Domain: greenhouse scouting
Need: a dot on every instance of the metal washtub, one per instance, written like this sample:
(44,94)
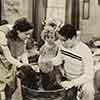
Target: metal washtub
(31,94)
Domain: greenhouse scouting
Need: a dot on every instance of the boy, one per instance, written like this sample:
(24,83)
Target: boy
(78,63)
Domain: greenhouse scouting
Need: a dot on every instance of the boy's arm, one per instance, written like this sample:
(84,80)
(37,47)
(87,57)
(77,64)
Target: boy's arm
(58,60)
(88,69)
(88,72)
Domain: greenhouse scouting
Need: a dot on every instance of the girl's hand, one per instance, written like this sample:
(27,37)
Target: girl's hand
(35,68)
(46,66)
(67,84)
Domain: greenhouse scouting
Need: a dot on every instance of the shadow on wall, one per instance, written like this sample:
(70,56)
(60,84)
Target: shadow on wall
(87,37)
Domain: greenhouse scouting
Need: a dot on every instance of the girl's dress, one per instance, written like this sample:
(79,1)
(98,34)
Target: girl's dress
(48,71)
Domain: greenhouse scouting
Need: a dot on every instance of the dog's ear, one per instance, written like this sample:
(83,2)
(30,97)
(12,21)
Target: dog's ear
(20,74)
(23,71)
(26,68)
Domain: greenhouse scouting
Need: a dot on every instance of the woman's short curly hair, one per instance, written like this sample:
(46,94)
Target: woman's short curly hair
(22,25)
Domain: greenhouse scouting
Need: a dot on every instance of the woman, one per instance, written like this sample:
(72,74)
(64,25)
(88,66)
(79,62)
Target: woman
(6,62)
(17,40)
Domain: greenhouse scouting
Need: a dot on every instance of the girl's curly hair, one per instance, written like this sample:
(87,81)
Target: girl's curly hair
(47,29)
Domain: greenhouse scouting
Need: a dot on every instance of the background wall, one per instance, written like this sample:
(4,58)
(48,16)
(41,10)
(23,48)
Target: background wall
(91,27)
(13,9)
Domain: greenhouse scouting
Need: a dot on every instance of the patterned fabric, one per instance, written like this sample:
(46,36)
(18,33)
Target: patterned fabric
(48,73)
(16,47)
(47,53)
(6,69)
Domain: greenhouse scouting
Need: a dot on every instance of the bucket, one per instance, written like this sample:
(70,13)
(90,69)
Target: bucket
(32,89)
(31,94)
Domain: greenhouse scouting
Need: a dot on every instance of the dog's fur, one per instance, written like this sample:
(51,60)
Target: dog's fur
(29,77)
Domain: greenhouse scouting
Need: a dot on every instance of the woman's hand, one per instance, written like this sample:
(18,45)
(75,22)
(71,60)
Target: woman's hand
(9,57)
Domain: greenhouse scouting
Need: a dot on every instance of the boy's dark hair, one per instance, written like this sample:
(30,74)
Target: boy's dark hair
(68,31)
(3,22)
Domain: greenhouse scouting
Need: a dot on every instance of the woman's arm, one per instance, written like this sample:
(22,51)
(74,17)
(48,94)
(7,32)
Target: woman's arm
(8,56)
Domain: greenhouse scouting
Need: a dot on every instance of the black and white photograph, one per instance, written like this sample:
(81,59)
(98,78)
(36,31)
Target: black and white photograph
(49,49)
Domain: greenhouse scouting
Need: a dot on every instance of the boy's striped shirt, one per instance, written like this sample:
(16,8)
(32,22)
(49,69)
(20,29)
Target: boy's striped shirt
(71,55)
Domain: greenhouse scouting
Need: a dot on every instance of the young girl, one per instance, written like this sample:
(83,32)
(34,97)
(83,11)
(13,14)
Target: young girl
(48,51)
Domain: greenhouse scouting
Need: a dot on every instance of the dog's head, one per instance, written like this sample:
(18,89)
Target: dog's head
(28,76)
(24,71)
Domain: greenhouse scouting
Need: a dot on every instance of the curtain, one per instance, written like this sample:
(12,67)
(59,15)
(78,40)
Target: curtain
(39,15)
(68,11)
(0,8)
(72,13)
(75,13)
